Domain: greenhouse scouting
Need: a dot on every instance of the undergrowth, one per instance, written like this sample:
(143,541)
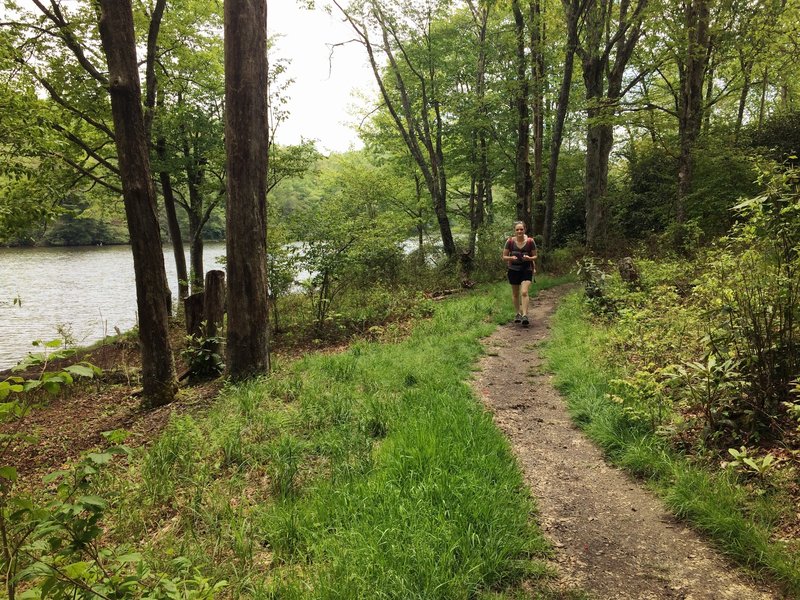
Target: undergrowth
(372,472)
(740,519)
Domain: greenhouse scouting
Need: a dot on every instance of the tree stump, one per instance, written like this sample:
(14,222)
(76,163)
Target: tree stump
(193,306)
(214,305)
(629,273)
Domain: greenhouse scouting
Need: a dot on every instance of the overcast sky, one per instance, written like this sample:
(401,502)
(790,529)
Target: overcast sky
(321,97)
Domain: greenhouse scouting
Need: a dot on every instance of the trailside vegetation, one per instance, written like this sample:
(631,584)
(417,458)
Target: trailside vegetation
(690,377)
(371,471)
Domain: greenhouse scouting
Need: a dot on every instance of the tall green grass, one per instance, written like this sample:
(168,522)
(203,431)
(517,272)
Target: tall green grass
(371,473)
(713,502)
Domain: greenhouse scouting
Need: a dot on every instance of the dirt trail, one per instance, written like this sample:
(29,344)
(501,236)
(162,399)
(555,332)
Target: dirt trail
(612,537)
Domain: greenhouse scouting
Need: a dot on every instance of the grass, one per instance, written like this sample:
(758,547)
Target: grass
(713,502)
(374,472)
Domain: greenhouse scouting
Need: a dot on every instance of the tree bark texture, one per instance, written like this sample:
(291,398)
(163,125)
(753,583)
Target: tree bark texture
(690,106)
(246,144)
(523,183)
(539,81)
(214,306)
(574,10)
(119,45)
(605,54)
(172,221)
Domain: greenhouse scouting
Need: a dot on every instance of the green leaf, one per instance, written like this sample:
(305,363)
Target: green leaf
(54,476)
(9,473)
(77,570)
(53,344)
(116,436)
(92,502)
(80,370)
(133,557)
(53,387)
(102,458)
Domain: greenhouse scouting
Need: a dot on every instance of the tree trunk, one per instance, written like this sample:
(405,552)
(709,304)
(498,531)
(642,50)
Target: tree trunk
(172,221)
(193,309)
(537,51)
(747,69)
(246,143)
(119,46)
(193,165)
(690,106)
(595,175)
(523,184)
(602,42)
(762,103)
(574,12)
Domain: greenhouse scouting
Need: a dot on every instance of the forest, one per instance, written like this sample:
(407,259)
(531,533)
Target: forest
(304,444)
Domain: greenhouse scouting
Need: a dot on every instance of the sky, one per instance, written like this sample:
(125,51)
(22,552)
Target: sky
(321,100)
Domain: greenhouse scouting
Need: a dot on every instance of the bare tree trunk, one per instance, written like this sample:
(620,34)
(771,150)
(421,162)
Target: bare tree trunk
(172,223)
(747,72)
(246,143)
(119,46)
(690,106)
(537,51)
(523,184)
(574,10)
(605,55)
(762,103)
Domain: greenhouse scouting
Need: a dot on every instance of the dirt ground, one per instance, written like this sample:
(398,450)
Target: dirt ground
(612,537)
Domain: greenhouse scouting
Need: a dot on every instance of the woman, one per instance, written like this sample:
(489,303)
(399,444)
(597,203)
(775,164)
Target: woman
(519,254)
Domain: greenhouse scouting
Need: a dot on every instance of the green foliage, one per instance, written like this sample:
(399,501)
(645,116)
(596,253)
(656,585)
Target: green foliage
(55,549)
(594,278)
(349,241)
(744,461)
(753,289)
(713,388)
(779,135)
(201,354)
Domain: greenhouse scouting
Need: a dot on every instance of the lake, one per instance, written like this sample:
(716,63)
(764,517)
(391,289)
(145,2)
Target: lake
(87,291)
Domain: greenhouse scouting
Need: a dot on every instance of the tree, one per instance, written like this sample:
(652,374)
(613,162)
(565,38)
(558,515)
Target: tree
(410,86)
(152,292)
(246,146)
(523,184)
(574,11)
(612,32)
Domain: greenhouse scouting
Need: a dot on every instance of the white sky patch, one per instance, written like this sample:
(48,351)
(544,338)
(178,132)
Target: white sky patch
(322,97)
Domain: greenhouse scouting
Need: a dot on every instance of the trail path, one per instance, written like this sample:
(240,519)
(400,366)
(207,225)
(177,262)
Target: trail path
(613,538)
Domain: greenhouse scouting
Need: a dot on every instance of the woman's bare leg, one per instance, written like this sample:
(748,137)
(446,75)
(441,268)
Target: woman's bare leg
(515,295)
(522,291)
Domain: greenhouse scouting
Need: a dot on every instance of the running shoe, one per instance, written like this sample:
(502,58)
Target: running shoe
(518,318)
(525,322)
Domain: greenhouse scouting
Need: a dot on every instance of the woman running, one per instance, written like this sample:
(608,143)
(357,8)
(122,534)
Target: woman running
(519,255)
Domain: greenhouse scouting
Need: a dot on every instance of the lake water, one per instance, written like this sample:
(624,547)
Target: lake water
(87,290)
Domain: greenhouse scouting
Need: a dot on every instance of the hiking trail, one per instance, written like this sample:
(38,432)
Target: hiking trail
(611,536)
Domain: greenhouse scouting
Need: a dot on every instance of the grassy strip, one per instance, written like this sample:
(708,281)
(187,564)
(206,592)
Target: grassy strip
(711,501)
(370,473)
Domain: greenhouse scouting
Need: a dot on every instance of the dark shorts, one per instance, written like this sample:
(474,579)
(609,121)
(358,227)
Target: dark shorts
(517,277)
